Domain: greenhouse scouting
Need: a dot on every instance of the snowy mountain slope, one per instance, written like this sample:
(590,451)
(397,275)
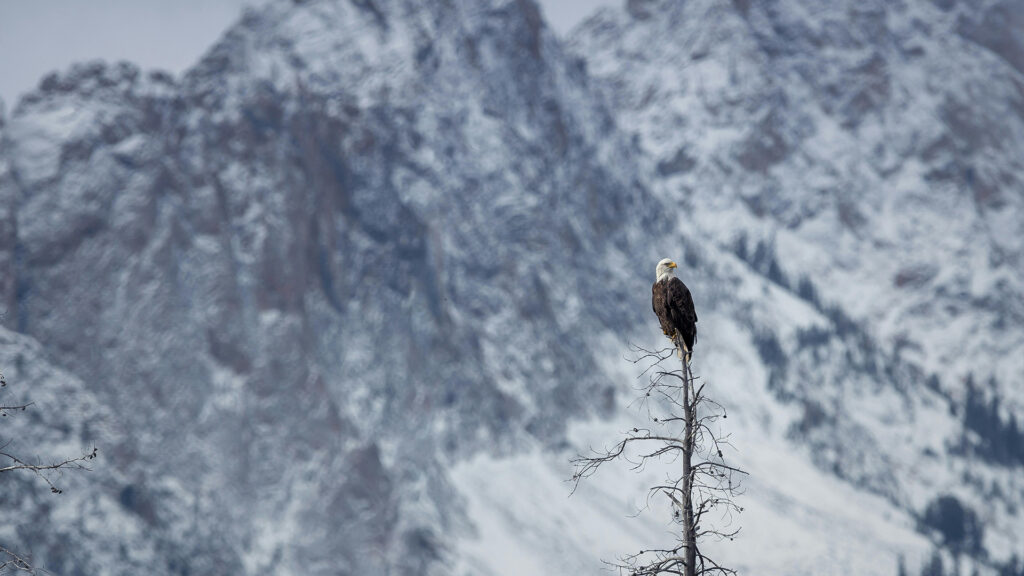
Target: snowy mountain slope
(856,139)
(8,221)
(351,245)
(66,420)
(357,283)
(814,505)
(846,152)
(813,524)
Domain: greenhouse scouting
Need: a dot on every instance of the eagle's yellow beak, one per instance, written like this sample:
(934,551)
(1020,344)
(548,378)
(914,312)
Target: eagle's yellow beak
(671,264)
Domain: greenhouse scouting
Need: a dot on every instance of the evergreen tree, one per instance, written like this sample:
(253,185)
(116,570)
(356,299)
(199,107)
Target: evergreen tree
(934,566)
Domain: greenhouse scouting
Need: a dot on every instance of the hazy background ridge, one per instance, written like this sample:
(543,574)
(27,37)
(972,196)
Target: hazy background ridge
(37,38)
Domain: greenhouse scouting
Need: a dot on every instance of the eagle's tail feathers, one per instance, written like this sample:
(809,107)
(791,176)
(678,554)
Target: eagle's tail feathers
(682,351)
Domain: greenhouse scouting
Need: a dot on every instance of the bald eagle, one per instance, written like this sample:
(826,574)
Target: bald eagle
(674,306)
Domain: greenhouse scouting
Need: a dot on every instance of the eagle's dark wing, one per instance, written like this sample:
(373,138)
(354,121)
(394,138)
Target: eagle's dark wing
(680,310)
(659,301)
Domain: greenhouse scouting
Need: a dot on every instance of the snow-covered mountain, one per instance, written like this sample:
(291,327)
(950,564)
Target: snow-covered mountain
(865,158)
(346,296)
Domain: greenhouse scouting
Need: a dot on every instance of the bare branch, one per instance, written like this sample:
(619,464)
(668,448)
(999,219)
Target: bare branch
(41,469)
(704,484)
(20,407)
(11,561)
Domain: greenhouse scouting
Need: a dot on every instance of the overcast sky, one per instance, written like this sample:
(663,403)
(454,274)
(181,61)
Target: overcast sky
(39,36)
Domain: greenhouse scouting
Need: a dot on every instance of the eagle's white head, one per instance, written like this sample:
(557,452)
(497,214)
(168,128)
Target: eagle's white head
(665,269)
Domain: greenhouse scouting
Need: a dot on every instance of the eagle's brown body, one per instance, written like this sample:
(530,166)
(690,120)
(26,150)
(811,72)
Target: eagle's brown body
(674,306)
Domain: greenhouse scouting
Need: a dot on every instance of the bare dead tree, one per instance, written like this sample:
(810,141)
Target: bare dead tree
(684,429)
(47,471)
(11,562)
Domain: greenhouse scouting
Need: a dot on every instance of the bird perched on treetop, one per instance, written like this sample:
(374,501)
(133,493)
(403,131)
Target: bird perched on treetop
(674,306)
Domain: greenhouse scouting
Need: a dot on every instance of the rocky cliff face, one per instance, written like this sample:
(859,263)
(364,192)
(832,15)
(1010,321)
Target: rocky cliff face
(857,141)
(352,244)
(848,153)
(338,293)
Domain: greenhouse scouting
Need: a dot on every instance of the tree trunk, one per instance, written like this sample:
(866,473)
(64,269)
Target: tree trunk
(689,530)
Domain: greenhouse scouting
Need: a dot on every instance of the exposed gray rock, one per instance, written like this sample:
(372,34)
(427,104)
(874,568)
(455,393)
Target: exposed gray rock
(853,139)
(361,242)
(321,263)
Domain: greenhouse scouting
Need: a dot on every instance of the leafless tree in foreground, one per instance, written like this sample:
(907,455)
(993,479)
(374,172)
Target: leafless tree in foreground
(684,429)
(11,561)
